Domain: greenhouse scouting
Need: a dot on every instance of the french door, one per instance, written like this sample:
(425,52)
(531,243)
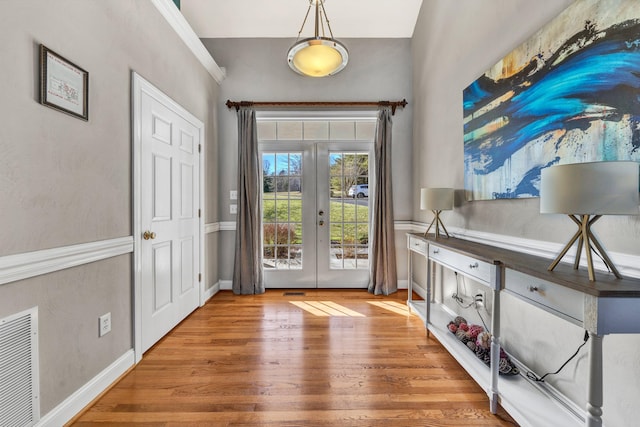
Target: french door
(315,234)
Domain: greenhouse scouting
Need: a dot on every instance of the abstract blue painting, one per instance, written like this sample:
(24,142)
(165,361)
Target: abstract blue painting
(569,94)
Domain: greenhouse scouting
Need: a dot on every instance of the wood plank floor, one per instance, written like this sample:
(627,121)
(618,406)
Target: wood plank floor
(325,358)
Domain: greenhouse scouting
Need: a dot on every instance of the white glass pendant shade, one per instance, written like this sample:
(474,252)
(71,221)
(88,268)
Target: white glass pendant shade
(318,57)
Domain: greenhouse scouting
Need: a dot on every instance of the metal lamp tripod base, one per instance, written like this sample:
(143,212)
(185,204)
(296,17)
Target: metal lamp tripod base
(586,238)
(438,223)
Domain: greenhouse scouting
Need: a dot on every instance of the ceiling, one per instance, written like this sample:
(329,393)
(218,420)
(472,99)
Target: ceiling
(283,18)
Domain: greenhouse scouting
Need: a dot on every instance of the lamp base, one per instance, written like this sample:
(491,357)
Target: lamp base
(587,239)
(438,223)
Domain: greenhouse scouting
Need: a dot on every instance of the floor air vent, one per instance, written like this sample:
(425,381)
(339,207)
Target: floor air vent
(293,294)
(18,369)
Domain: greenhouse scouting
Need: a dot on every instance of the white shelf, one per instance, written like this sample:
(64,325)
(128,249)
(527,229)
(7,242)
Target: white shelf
(530,404)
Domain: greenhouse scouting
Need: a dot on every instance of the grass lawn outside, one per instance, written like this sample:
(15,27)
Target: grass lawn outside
(349,221)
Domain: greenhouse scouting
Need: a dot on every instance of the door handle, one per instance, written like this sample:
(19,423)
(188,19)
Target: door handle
(148,235)
(321,223)
(321,212)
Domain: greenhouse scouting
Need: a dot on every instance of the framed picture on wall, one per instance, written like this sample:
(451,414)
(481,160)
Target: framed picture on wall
(63,85)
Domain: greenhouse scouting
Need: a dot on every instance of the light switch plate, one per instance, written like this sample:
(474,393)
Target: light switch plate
(233,209)
(233,195)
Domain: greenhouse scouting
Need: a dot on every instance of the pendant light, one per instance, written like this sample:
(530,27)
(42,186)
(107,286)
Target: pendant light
(317,56)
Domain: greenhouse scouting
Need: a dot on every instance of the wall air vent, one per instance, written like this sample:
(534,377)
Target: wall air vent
(19,384)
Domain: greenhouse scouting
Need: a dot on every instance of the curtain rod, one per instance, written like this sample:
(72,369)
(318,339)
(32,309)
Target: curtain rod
(392,104)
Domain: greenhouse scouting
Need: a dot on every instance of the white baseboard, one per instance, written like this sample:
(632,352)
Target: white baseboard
(211,291)
(419,290)
(226,285)
(403,284)
(75,403)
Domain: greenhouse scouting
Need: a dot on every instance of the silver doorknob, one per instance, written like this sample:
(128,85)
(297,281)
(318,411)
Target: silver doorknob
(148,235)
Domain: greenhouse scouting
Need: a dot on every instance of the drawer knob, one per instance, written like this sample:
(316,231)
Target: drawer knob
(474,265)
(533,289)
(436,251)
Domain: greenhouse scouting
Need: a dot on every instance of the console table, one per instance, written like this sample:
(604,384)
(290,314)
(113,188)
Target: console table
(606,306)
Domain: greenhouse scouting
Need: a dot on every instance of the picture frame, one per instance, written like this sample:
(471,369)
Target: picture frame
(64,86)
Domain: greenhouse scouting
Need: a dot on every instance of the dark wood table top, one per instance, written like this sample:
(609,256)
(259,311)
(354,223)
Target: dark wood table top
(605,285)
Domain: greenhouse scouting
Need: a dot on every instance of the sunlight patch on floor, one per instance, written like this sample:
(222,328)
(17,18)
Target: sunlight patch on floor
(393,306)
(326,308)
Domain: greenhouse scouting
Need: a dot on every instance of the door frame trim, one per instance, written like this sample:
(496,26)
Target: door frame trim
(140,85)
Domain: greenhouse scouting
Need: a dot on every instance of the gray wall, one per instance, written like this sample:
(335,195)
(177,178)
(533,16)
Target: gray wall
(454,43)
(257,70)
(65,181)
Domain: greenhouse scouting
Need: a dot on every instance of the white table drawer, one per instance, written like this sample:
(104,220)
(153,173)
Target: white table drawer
(471,267)
(556,299)
(417,245)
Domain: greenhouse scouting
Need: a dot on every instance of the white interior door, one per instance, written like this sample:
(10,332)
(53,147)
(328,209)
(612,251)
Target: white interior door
(169,216)
(315,234)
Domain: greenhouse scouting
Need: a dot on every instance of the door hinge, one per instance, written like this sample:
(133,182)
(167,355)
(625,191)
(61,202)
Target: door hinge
(199,148)
(199,277)
(199,213)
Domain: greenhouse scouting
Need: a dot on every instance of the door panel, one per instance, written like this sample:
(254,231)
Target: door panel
(162,294)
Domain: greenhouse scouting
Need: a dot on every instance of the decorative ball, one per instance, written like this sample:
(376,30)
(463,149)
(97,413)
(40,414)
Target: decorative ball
(471,345)
(458,320)
(484,340)
(462,336)
(452,327)
(463,326)
(474,331)
(483,354)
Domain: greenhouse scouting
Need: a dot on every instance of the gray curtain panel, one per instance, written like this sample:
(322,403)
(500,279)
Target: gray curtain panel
(247,266)
(384,275)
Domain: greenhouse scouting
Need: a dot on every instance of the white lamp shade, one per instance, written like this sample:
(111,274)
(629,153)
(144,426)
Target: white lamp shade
(436,199)
(598,188)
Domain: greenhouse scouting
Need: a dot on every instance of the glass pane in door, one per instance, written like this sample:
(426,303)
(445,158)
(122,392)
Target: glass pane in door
(349,210)
(282,210)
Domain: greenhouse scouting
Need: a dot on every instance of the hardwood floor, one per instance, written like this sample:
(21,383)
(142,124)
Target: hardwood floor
(325,358)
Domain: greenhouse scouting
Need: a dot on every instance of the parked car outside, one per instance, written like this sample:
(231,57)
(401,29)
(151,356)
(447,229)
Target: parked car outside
(359,191)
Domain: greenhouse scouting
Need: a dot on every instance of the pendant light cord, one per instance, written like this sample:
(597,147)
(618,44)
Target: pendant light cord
(304,22)
(326,18)
(323,18)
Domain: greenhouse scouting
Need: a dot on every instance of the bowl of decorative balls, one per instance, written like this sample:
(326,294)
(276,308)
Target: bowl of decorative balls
(479,342)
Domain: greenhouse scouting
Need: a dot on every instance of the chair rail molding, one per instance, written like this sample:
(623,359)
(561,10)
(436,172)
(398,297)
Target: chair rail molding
(30,264)
(228,226)
(211,227)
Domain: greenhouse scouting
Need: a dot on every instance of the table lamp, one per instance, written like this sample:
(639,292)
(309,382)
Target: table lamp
(585,192)
(436,200)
